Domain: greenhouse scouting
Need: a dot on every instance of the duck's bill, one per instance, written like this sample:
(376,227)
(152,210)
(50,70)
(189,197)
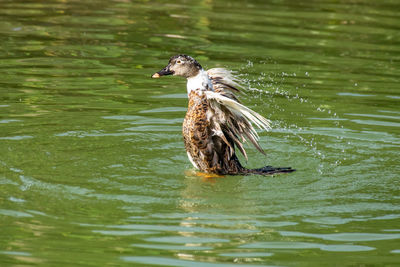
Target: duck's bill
(163,72)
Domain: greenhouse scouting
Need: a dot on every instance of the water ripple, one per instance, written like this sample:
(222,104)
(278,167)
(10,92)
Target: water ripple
(345,236)
(176,262)
(187,246)
(305,245)
(183,229)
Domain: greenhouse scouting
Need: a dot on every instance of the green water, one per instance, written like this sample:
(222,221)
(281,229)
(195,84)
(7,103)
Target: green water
(93,170)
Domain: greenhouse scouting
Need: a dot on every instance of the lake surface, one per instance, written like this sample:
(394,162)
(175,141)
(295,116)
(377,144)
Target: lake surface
(93,171)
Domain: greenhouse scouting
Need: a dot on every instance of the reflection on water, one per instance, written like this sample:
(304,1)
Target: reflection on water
(92,164)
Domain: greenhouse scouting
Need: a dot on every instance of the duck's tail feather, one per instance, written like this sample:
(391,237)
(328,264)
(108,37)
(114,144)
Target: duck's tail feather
(269,170)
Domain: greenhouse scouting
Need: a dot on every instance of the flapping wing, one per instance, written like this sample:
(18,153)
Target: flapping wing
(224,82)
(234,120)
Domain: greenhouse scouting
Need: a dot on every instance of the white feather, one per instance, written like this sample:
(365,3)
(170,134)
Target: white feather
(191,160)
(225,76)
(199,82)
(239,109)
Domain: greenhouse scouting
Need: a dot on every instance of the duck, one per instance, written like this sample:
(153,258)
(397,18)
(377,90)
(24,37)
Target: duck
(216,123)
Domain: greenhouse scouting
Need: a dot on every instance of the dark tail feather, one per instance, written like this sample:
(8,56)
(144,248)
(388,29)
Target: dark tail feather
(269,170)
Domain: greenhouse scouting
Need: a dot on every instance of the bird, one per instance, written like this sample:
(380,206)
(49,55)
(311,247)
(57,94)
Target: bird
(216,123)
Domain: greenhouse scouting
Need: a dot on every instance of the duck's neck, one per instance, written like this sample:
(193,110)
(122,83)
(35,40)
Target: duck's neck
(199,82)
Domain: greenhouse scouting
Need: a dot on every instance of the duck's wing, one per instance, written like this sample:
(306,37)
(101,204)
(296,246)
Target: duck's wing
(232,120)
(224,82)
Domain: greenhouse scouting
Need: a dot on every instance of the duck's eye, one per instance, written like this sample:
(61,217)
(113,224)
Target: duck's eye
(178,62)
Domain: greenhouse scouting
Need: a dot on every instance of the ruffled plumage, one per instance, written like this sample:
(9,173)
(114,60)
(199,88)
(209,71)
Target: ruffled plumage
(230,116)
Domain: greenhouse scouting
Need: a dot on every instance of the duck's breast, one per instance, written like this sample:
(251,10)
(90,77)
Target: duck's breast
(196,130)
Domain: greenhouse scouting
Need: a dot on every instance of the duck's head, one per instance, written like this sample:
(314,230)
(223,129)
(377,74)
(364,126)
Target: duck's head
(180,65)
